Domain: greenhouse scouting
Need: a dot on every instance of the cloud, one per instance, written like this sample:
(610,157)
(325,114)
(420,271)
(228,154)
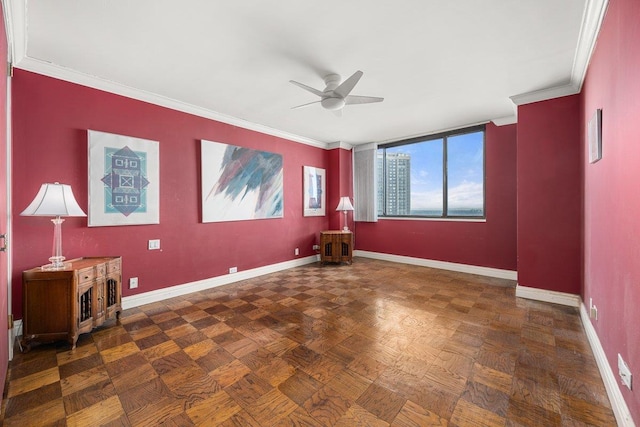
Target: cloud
(466,195)
(431,199)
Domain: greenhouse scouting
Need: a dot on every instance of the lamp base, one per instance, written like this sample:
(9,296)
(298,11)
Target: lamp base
(57,263)
(345,228)
(56,267)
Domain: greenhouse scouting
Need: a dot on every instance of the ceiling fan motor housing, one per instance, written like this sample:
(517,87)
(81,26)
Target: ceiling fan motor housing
(332,103)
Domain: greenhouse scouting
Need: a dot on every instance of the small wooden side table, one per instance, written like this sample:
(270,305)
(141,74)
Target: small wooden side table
(336,246)
(62,304)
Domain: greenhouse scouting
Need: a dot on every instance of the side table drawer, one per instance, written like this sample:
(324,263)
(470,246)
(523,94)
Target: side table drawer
(86,275)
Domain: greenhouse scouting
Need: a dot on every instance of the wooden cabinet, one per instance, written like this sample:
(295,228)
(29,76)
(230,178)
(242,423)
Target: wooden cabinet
(336,246)
(63,304)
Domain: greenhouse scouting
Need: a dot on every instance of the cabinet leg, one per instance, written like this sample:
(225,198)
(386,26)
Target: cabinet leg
(25,346)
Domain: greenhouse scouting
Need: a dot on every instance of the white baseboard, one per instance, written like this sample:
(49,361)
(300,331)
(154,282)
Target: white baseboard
(17,329)
(200,285)
(619,406)
(544,295)
(443,265)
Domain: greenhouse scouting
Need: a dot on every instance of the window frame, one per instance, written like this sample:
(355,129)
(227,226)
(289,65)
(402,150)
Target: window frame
(445,173)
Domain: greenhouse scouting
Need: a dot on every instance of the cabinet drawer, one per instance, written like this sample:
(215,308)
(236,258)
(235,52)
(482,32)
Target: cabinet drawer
(86,275)
(113,266)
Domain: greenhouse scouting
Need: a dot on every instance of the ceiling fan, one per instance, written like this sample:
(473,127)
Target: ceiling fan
(336,95)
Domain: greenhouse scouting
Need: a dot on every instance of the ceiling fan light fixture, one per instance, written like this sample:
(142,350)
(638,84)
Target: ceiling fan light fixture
(332,103)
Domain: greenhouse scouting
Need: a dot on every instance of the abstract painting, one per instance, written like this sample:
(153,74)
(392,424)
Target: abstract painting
(240,183)
(124,184)
(313,193)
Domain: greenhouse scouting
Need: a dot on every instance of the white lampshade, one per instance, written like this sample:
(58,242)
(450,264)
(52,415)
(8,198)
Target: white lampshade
(54,200)
(345,204)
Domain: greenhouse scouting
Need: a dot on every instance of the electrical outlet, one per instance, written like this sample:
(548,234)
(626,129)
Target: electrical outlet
(594,312)
(624,372)
(133,283)
(316,247)
(233,270)
(296,251)
(154,244)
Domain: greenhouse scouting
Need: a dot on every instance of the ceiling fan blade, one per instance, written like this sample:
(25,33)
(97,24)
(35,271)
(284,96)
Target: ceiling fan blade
(347,86)
(355,99)
(307,88)
(304,105)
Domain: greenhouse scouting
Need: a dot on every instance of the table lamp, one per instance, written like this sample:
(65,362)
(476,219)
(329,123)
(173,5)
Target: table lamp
(55,200)
(344,206)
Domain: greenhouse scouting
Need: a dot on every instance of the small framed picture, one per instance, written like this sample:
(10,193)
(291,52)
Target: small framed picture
(594,135)
(313,193)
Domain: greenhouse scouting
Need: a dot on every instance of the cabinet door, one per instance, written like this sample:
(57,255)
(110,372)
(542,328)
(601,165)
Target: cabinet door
(86,298)
(328,247)
(346,247)
(113,297)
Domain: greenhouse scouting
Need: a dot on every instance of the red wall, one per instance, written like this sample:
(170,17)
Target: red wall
(612,190)
(487,244)
(549,195)
(4,339)
(50,122)
(340,183)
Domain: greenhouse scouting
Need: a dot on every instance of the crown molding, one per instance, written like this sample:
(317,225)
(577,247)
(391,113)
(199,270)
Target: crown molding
(594,13)
(592,18)
(508,120)
(15,18)
(545,94)
(72,76)
(16,22)
(339,144)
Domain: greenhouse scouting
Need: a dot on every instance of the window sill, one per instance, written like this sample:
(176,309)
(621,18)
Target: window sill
(416,218)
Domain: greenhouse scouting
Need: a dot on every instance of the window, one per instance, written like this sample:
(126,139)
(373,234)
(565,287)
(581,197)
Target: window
(435,176)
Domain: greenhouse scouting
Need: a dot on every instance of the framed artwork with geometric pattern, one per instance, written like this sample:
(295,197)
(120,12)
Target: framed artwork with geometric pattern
(124,180)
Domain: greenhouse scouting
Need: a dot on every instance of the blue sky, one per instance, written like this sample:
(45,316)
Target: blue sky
(465,164)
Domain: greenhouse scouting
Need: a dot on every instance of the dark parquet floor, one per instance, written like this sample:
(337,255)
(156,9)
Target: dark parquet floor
(371,344)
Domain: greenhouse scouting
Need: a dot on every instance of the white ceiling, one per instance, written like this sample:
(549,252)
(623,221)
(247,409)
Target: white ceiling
(438,64)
